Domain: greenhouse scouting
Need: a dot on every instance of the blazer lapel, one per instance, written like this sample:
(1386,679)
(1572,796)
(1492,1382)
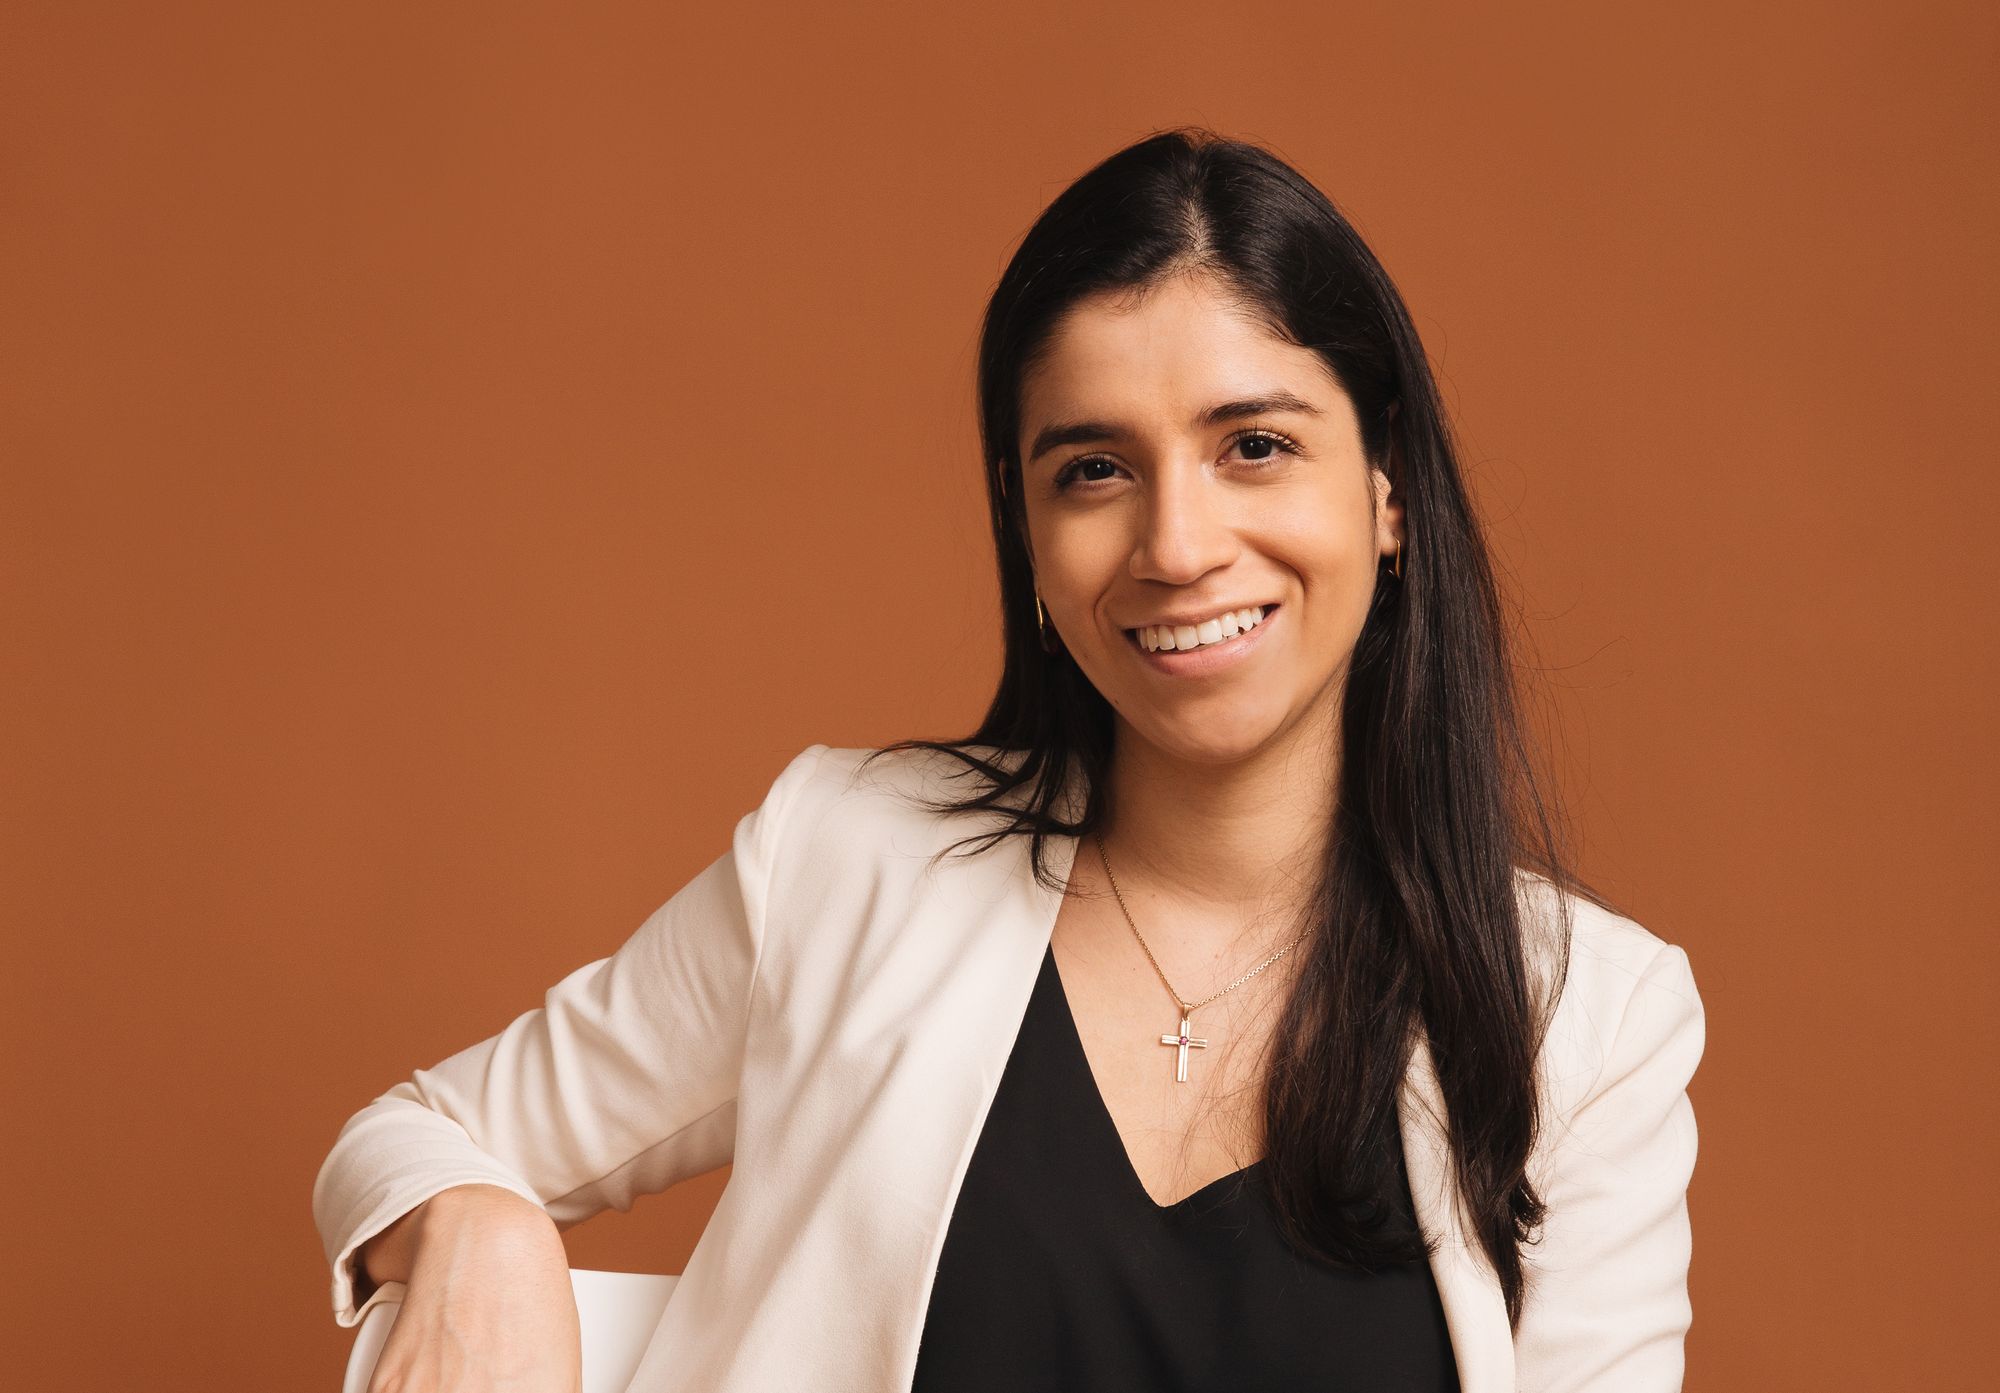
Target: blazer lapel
(1475,1311)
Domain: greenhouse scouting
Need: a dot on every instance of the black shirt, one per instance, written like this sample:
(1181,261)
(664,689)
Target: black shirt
(1059,1271)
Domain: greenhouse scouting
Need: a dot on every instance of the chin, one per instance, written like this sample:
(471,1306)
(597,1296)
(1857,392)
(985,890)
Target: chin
(1216,739)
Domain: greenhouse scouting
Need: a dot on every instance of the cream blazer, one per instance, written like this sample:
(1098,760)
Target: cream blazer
(820,1010)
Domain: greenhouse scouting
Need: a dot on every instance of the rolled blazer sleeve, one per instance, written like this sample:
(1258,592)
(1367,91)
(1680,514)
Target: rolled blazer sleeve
(1607,1300)
(621,1083)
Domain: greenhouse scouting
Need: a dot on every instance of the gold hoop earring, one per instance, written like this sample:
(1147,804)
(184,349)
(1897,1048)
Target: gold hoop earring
(1398,572)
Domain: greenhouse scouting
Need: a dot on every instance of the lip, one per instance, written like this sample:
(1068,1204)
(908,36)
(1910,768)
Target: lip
(1210,658)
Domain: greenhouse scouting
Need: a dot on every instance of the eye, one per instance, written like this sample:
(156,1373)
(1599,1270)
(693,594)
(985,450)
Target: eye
(1068,472)
(1282,446)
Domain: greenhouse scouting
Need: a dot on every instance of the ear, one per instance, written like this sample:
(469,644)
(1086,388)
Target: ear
(1389,521)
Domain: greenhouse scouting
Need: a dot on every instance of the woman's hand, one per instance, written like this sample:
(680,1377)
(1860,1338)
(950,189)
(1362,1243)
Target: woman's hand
(489,1307)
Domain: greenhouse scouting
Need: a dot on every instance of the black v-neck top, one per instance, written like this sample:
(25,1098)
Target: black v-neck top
(1059,1271)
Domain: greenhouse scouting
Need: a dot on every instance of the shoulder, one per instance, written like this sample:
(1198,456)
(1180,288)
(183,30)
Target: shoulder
(832,800)
(1627,996)
(859,777)
(853,846)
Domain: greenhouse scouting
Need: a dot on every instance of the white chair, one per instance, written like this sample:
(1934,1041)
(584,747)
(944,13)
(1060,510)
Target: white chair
(616,1311)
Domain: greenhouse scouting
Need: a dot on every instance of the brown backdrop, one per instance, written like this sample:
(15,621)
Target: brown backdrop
(451,461)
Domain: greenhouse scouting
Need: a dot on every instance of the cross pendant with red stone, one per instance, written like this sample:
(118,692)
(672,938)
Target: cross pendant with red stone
(1183,1040)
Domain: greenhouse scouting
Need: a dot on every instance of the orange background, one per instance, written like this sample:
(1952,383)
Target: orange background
(451,460)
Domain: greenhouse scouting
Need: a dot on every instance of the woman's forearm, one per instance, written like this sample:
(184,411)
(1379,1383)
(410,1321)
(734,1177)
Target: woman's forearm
(390,1256)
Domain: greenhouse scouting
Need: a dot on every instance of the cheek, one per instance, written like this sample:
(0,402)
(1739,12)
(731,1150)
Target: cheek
(1331,549)
(1073,560)
(1334,563)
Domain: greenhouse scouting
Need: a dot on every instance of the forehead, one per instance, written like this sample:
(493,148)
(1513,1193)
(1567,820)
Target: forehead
(1164,355)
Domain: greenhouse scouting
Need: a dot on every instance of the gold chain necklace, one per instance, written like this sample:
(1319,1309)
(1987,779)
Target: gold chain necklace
(1181,1039)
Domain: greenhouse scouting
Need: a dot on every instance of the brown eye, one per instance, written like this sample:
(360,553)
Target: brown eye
(1280,445)
(1068,472)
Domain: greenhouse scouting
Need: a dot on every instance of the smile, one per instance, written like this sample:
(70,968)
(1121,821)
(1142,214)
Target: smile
(1207,658)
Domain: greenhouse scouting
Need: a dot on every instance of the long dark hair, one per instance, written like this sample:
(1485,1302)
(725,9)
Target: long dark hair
(1417,912)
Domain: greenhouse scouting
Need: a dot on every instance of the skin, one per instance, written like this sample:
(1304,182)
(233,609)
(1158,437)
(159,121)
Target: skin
(489,1306)
(1222,785)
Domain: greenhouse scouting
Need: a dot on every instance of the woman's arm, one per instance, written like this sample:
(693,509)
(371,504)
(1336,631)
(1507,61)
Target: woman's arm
(391,1254)
(1606,1306)
(621,1083)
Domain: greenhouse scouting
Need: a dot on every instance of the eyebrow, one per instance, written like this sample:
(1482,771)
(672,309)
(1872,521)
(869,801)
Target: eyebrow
(1088,432)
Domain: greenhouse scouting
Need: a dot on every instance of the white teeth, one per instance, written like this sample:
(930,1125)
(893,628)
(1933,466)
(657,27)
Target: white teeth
(1160,638)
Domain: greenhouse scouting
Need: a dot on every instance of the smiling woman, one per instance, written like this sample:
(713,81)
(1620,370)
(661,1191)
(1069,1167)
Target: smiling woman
(1292,1081)
(1248,602)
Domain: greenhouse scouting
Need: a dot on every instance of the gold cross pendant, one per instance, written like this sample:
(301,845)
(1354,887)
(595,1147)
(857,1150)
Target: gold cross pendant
(1183,1040)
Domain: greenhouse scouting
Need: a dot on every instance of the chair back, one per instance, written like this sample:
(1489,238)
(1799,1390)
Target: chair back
(617,1313)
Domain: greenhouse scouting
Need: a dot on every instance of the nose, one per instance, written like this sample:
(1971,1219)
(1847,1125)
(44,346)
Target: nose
(1184,529)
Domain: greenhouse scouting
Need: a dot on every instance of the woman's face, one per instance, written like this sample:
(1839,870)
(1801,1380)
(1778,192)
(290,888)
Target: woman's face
(1180,461)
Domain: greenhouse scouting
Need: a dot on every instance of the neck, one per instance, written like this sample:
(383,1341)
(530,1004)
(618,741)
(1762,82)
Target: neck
(1235,844)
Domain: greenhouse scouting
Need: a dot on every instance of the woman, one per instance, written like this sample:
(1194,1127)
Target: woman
(1219,1015)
